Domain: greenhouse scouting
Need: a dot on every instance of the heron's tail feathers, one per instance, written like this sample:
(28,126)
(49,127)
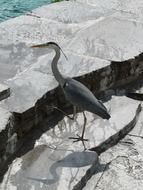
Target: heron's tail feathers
(100,111)
(103,111)
(106,115)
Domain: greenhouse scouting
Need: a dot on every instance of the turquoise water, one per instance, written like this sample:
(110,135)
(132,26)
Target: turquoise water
(13,8)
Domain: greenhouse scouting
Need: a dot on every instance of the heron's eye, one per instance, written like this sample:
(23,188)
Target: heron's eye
(65,85)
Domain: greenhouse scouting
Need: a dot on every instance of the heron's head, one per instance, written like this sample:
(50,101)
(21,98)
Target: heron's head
(50,45)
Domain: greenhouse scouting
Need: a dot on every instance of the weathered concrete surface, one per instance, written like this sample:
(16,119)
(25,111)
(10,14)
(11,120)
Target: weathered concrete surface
(123,164)
(93,35)
(56,162)
(100,37)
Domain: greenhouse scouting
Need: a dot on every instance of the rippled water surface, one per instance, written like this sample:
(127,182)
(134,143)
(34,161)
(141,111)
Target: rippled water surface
(13,8)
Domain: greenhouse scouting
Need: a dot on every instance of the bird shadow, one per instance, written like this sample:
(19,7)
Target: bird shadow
(73,160)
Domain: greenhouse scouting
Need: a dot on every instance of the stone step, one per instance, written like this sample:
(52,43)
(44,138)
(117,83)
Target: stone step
(58,163)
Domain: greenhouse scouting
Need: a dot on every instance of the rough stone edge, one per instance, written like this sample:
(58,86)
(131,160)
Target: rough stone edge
(4,94)
(112,76)
(115,75)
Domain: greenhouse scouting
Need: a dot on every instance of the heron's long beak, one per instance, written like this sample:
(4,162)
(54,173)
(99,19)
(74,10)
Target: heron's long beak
(40,46)
(45,46)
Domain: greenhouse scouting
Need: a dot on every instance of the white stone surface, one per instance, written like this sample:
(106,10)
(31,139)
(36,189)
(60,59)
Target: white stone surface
(109,39)
(72,12)
(126,168)
(58,163)
(3,87)
(90,33)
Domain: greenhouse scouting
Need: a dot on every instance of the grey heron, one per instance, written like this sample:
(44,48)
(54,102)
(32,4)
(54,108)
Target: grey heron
(75,92)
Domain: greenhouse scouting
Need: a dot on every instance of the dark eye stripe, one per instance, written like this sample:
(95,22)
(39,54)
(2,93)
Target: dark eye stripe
(52,43)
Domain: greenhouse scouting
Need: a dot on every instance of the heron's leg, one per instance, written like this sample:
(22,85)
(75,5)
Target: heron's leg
(85,122)
(74,113)
(81,138)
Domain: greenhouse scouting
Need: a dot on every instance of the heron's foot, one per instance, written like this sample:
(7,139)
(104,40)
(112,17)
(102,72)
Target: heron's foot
(79,138)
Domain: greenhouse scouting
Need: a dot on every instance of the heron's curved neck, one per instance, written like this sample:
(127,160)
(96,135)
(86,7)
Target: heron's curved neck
(55,70)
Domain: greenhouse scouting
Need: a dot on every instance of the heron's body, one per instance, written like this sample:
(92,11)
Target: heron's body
(78,94)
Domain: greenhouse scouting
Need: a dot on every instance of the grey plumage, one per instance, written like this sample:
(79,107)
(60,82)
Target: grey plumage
(81,96)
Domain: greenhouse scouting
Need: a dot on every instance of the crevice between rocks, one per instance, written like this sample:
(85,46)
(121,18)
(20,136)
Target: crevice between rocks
(103,83)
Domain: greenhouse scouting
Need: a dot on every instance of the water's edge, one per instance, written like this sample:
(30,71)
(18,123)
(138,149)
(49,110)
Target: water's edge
(13,8)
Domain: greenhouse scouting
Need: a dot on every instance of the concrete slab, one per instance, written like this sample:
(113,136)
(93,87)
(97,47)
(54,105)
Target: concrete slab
(56,162)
